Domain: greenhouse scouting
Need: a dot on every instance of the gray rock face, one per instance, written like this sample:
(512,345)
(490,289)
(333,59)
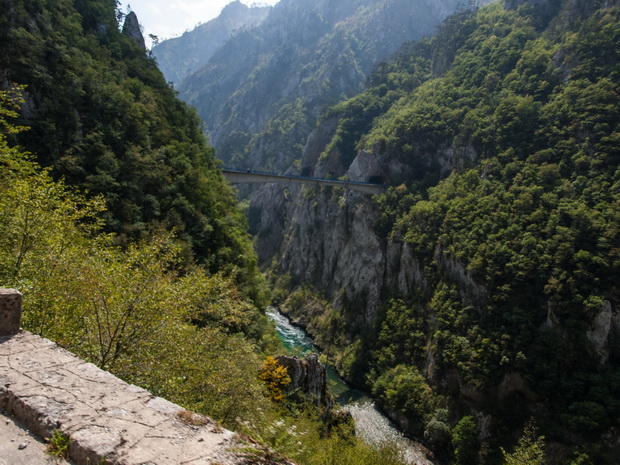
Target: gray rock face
(266,220)
(307,375)
(348,259)
(600,331)
(331,240)
(131,28)
(183,55)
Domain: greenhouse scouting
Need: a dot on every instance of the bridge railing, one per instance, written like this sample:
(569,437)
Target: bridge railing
(255,176)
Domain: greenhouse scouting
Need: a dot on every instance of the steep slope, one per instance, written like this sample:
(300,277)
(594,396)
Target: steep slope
(183,55)
(482,291)
(262,92)
(103,117)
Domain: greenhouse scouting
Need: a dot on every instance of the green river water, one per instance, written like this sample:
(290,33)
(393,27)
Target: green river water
(370,424)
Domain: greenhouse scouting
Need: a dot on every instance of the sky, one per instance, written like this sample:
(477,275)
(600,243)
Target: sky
(171,18)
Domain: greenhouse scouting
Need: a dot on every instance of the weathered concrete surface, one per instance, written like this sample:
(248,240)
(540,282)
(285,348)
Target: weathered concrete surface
(19,447)
(108,420)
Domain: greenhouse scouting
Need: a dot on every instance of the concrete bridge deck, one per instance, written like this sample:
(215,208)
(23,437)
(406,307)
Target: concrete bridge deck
(236,176)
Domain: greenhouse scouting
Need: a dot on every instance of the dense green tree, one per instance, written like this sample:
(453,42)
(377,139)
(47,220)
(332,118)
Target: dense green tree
(504,128)
(404,391)
(104,119)
(530,451)
(465,441)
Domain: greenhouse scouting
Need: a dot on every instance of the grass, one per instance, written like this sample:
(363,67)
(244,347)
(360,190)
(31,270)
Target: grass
(58,444)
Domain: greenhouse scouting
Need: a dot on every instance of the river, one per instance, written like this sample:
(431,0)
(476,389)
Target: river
(370,424)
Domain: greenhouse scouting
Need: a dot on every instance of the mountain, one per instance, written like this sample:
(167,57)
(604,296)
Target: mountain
(261,93)
(480,293)
(181,56)
(103,118)
(86,100)
(477,299)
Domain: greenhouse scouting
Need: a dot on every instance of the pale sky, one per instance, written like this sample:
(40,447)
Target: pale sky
(170,18)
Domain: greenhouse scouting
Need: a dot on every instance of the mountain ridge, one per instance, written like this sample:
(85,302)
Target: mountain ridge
(183,55)
(251,86)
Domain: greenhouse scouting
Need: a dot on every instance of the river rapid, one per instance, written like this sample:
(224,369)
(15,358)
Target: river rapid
(370,424)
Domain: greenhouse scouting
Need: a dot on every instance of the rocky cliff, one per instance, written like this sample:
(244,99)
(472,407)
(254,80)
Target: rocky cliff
(352,263)
(131,28)
(307,376)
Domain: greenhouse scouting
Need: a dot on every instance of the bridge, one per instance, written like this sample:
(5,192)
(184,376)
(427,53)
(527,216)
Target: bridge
(236,176)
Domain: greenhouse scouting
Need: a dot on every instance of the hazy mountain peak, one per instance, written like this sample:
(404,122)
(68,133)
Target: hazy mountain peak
(305,55)
(183,55)
(233,8)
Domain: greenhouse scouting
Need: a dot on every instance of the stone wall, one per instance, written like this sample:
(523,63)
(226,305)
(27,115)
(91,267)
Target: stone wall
(106,419)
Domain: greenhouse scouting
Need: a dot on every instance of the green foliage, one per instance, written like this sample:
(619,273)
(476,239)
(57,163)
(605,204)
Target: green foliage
(438,434)
(337,451)
(302,438)
(465,441)
(10,100)
(127,310)
(530,451)
(506,126)
(205,370)
(400,339)
(403,390)
(58,444)
(104,119)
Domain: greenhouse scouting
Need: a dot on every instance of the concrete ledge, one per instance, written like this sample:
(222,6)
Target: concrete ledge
(109,421)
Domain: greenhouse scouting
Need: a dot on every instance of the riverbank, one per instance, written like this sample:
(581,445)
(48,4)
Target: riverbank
(371,424)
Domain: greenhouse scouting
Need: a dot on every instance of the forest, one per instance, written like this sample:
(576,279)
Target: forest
(128,246)
(505,126)
(131,250)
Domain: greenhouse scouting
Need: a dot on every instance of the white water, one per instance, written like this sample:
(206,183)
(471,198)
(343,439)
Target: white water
(370,424)
(374,428)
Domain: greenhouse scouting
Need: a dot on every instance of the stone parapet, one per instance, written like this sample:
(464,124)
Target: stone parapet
(106,419)
(10,312)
